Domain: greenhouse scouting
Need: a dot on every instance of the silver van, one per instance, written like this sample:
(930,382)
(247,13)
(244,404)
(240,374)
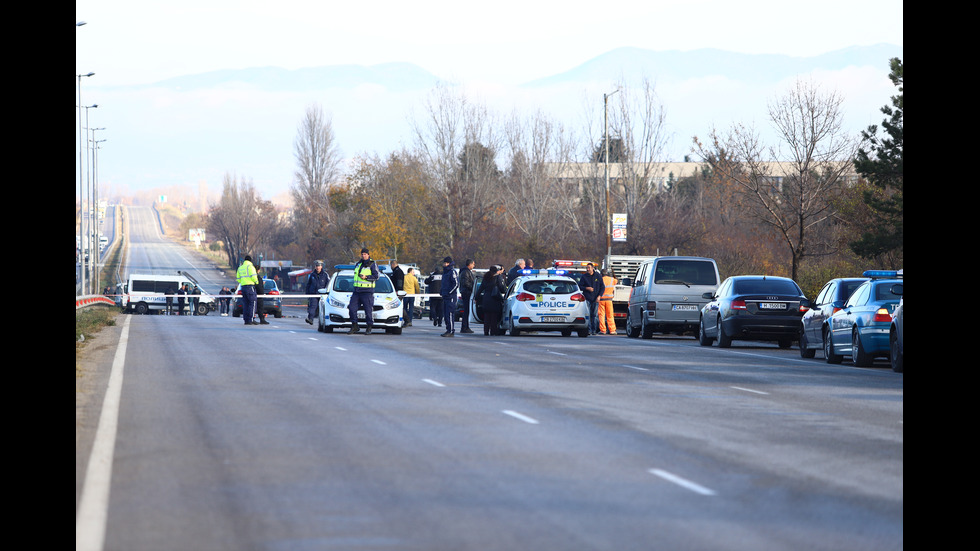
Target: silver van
(666,295)
(147,293)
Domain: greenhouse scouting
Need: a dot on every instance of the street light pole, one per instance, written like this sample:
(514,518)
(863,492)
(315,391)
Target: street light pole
(605,107)
(81,182)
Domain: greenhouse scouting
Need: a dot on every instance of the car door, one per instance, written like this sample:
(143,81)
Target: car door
(843,321)
(709,314)
(813,323)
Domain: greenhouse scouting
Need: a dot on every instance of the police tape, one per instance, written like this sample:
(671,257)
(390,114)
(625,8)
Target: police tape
(229,297)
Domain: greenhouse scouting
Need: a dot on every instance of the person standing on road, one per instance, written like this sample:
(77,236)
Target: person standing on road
(433,286)
(170,300)
(449,291)
(397,276)
(224,300)
(607,322)
(259,293)
(319,279)
(591,285)
(515,271)
(365,275)
(411,287)
(181,293)
(466,282)
(491,296)
(248,278)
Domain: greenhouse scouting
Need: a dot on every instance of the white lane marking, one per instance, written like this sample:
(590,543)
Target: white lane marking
(341,348)
(433,383)
(557,353)
(524,418)
(684,483)
(311,338)
(750,390)
(379,362)
(636,368)
(93,506)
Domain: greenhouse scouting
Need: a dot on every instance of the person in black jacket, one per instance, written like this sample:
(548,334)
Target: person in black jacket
(592,287)
(466,282)
(433,286)
(319,279)
(491,295)
(449,291)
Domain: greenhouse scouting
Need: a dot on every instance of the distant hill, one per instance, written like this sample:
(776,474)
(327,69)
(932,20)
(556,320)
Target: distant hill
(678,65)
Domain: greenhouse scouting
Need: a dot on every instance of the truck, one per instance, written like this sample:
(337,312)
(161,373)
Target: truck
(623,268)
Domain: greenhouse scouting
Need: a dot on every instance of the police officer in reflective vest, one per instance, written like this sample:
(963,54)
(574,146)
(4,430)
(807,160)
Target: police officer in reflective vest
(248,278)
(365,274)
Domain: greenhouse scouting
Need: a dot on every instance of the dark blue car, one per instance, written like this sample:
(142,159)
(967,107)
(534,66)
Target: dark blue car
(760,308)
(816,320)
(861,328)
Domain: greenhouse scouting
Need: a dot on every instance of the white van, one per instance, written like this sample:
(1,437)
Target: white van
(146,293)
(666,295)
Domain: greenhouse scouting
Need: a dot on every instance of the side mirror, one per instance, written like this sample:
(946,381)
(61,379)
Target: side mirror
(806,303)
(708,296)
(323,291)
(401,293)
(897,289)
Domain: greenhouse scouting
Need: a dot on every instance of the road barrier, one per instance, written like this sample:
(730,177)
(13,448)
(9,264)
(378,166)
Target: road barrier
(93,300)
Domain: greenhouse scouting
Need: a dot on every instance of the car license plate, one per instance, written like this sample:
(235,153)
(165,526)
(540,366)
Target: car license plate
(772,305)
(685,307)
(559,319)
(360,315)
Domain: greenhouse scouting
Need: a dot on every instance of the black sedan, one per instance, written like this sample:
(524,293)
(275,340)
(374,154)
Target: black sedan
(271,304)
(759,308)
(816,321)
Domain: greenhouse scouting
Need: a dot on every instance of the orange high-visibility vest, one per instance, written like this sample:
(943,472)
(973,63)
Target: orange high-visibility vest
(608,293)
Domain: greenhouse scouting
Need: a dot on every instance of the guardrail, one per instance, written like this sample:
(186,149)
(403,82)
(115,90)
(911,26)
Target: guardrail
(93,300)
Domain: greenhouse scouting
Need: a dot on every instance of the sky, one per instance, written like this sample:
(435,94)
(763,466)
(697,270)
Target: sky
(487,45)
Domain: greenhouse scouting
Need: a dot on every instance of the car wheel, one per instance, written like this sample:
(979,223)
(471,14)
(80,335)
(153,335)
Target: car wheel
(646,333)
(631,332)
(277,314)
(897,357)
(566,332)
(703,338)
(142,309)
(393,330)
(858,354)
(583,332)
(805,350)
(828,349)
(514,332)
(202,309)
(724,341)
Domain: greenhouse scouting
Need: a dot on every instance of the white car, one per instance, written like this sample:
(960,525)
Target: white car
(333,309)
(545,300)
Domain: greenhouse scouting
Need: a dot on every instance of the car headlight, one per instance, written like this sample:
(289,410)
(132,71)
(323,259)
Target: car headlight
(336,303)
(393,304)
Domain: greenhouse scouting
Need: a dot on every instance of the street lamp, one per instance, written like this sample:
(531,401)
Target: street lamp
(81,178)
(605,107)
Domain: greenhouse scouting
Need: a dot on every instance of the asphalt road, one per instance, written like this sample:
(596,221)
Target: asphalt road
(282,438)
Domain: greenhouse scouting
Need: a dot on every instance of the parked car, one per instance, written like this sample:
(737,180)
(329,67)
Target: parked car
(333,308)
(547,300)
(816,320)
(862,327)
(270,304)
(667,295)
(761,308)
(896,336)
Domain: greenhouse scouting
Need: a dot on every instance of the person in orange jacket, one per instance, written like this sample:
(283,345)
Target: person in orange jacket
(606,319)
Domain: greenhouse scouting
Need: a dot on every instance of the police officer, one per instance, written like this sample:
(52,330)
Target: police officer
(319,279)
(248,278)
(365,275)
(449,290)
(466,283)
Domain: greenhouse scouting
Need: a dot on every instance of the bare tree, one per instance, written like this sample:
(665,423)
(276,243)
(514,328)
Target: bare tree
(241,219)
(792,185)
(317,167)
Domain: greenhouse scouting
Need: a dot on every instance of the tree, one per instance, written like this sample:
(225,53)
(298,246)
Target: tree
(317,167)
(241,219)
(882,165)
(791,187)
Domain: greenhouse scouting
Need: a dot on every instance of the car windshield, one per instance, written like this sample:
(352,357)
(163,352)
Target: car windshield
(766,286)
(685,272)
(883,291)
(270,285)
(345,283)
(848,287)
(551,287)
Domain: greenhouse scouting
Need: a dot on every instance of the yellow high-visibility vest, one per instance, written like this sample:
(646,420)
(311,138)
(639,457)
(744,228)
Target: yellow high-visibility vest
(246,274)
(360,273)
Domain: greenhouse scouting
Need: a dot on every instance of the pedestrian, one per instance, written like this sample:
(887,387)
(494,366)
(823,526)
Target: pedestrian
(515,271)
(528,263)
(491,296)
(411,287)
(319,279)
(449,291)
(170,299)
(248,279)
(397,276)
(365,275)
(181,293)
(466,282)
(224,300)
(607,322)
(194,298)
(259,294)
(433,286)
(591,285)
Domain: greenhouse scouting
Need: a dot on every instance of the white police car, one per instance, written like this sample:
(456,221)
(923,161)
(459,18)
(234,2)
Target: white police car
(333,309)
(545,300)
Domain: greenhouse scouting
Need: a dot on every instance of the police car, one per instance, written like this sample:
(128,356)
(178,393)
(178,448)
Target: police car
(545,300)
(333,309)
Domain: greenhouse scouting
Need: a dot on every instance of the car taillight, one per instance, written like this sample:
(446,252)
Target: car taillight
(577,297)
(882,315)
(272,292)
(803,308)
(524,296)
(836,309)
(738,305)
